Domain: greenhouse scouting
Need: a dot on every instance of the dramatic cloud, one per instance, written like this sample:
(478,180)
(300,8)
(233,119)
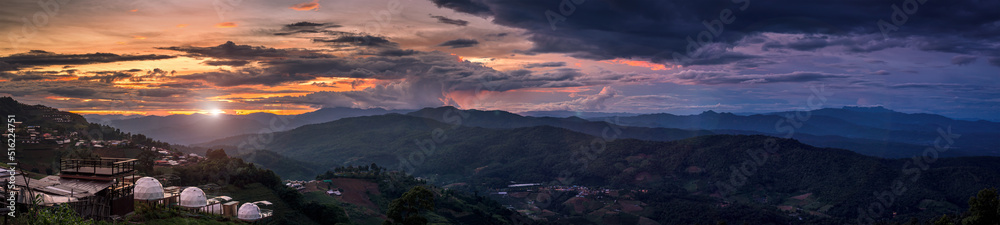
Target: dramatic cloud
(851,43)
(108,76)
(722,77)
(880,72)
(962,60)
(231,50)
(514,55)
(37,75)
(73,92)
(994,61)
(395,52)
(44,58)
(188,85)
(246,76)
(305,28)
(304,24)
(657,29)
(545,64)
(446,20)
(594,102)
(349,40)
(162,92)
(6,66)
(460,43)
(227,62)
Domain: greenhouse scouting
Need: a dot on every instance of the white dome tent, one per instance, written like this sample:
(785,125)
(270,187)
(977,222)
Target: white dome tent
(248,212)
(148,188)
(193,197)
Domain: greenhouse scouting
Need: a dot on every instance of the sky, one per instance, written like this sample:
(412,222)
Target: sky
(643,56)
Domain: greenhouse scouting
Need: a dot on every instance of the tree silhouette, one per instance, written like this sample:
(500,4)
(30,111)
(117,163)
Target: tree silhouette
(983,208)
(407,209)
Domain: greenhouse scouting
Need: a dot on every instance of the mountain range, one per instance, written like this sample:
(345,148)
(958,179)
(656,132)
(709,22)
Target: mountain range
(197,128)
(695,170)
(665,168)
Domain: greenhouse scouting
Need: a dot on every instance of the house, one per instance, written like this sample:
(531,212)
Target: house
(92,187)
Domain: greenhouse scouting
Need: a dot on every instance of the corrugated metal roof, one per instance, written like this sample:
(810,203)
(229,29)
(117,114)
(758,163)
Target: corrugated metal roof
(55,185)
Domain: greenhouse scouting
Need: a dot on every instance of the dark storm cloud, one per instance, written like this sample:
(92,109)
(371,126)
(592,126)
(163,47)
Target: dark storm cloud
(446,20)
(962,60)
(306,24)
(361,40)
(880,72)
(722,77)
(109,76)
(246,76)
(304,27)
(994,61)
(545,64)
(231,50)
(413,67)
(35,75)
(74,92)
(656,29)
(474,7)
(395,52)
(298,31)
(162,92)
(6,66)
(460,43)
(44,58)
(180,85)
(227,62)
(852,43)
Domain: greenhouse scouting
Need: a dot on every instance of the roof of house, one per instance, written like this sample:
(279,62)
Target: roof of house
(55,185)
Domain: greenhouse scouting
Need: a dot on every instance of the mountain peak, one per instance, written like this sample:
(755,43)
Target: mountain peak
(872,109)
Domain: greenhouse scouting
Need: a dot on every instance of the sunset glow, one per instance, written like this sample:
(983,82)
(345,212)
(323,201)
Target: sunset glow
(290,57)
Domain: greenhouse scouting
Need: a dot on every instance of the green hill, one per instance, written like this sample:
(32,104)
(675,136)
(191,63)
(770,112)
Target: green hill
(286,167)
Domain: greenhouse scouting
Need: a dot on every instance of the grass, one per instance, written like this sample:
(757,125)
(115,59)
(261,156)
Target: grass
(321,197)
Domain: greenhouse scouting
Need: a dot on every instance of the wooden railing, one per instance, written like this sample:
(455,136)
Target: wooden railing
(102,166)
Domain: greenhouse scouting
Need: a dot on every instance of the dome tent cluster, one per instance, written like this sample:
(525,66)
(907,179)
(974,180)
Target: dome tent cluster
(149,189)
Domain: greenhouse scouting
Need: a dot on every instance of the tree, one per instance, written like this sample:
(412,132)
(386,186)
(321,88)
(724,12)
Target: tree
(983,208)
(407,209)
(145,161)
(216,154)
(377,171)
(944,220)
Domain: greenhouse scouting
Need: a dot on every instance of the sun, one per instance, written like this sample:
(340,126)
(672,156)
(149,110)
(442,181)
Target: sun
(216,112)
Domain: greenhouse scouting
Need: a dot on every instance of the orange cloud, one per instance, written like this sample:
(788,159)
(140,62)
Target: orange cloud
(134,10)
(181,25)
(109,112)
(139,37)
(314,5)
(652,66)
(226,25)
(274,111)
